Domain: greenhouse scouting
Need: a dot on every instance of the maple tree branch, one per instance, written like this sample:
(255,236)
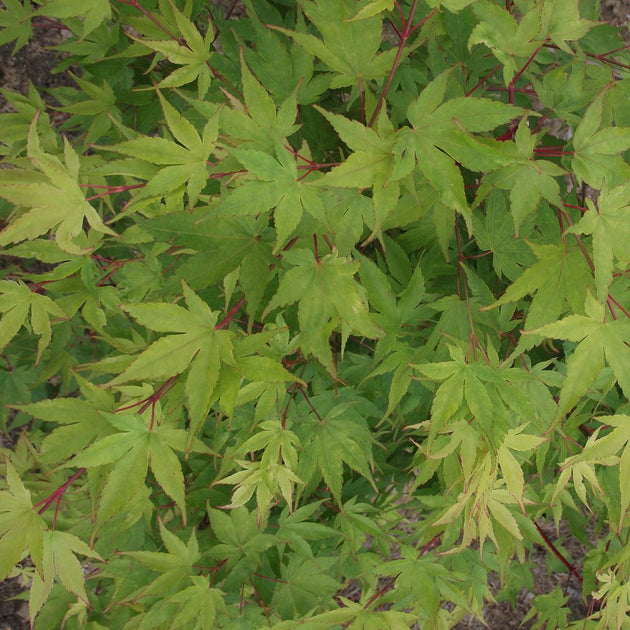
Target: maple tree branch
(556,552)
(228,318)
(405,34)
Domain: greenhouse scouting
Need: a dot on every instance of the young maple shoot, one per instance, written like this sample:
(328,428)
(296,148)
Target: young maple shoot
(316,313)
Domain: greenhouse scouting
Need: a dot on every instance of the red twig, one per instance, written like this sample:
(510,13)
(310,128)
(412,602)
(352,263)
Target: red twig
(405,34)
(228,318)
(572,570)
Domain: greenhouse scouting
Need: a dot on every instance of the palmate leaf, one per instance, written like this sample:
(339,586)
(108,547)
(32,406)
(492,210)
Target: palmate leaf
(15,23)
(443,130)
(194,607)
(349,48)
(338,437)
(511,42)
(21,528)
(327,295)
(54,196)
(280,67)
(17,301)
(558,282)
(184,162)
(276,188)
(192,53)
(132,450)
(528,180)
(602,450)
(175,564)
(94,12)
(374,163)
(608,223)
(263,125)
(195,347)
(561,23)
(494,232)
(81,422)
(241,541)
(305,584)
(596,156)
(597,340)
(59,561)
(427,581)
(218,248)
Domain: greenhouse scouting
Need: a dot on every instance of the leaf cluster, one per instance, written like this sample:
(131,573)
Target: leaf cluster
(290,285)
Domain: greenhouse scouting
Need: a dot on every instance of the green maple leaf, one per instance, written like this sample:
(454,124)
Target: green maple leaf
(192,607)
(596,156)
(443,134)
(276,188)
(511,42)
(603,449)
(328,295)
(558,281)
(241,541)
(338,436)
(528,180)
(195,346)
(499,398)
(427,581)
(15,23)
(81,422)
(597,340)
(59,561)
(218,248)
(175,564)
(94,12)
(192,53)
(349,48)
(17,301)
(184,162)
(266,477)
(561,23)
(494,231)
(373,163)
(259,123)
(608,223)
(306,583)
(372,154)
(54,196)
(280,67)
(133,449)
(21,528)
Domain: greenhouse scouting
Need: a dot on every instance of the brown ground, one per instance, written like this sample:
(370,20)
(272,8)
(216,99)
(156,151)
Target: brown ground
(34,63)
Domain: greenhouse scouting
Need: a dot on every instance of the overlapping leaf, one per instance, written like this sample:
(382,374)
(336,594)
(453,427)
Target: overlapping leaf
(276,187)
(184,162)
(328,295)
(17,301)
(53,194)
(349,48)
(192,53)
(596,156)
(608,223)
(21,528)
(59,561)
(597,340)
(440,130)
(528,180)
(558,281)
(258,122)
